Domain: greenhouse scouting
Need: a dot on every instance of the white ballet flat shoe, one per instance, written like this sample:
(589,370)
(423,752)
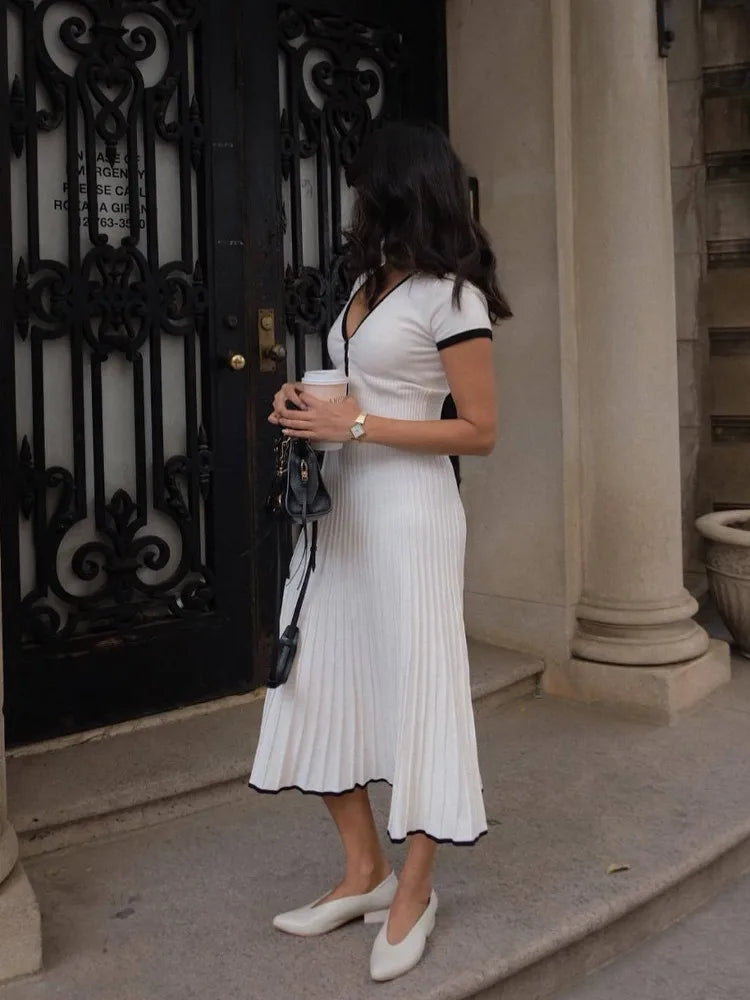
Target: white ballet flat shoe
(311,919)
(390,960)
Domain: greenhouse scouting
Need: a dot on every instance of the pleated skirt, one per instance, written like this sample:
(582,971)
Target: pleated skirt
(380,689)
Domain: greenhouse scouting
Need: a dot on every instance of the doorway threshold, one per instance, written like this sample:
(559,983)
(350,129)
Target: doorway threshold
(133,725)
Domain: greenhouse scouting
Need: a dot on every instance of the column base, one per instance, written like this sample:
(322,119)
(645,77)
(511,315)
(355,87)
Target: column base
(653,693)
(634,633)
(20,927)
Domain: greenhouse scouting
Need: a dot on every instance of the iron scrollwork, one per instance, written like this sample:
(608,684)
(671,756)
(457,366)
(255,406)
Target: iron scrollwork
(112,299)
(342,80)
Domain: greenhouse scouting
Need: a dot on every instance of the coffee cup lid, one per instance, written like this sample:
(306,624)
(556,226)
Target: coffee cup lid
(325,376)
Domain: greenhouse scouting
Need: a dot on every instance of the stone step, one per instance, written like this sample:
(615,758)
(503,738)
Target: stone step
(705,953)
(94,784)
(528,911)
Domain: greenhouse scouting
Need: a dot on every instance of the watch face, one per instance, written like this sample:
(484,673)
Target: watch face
(357,430)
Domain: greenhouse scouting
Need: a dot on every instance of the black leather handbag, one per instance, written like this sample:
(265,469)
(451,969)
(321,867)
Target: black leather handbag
(297,495)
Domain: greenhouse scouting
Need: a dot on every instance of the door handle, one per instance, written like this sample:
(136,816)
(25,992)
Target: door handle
(269,352)
(277,352)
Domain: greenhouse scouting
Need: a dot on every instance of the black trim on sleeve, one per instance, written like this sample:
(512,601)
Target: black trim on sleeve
(456,338)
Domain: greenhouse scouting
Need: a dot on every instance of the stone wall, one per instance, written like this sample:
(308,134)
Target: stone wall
(684,70)
(724,479)
(521,503)
(709,100)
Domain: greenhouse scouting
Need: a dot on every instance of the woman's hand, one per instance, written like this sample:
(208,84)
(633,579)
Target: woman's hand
(288,393)
(321,420)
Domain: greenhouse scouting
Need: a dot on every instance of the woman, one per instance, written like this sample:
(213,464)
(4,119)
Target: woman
(380,688)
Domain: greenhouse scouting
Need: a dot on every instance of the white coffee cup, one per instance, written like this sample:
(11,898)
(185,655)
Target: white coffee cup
(330,384)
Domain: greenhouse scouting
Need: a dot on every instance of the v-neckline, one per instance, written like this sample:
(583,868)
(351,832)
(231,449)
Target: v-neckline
(382,298)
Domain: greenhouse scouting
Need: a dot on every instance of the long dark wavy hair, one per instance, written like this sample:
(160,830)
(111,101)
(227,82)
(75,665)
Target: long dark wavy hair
(412,209)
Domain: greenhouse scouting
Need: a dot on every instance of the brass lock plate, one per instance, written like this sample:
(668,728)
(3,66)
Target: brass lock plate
(266,339)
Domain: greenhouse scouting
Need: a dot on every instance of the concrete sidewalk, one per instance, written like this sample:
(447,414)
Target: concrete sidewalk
(182,910)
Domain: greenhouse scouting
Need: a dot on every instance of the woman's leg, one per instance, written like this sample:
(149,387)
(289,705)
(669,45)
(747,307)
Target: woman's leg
(414,887)
(366,865)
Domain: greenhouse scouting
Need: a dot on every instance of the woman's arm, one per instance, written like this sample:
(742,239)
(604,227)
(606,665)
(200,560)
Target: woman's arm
(468,368)
(469,371)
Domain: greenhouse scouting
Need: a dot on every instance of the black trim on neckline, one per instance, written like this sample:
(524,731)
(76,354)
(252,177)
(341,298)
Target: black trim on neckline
(456,338)
(371,311)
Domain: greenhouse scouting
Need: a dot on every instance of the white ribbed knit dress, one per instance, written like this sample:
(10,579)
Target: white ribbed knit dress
(379,689)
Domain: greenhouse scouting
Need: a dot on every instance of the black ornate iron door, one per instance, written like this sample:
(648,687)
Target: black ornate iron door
(132,568)
(171,205)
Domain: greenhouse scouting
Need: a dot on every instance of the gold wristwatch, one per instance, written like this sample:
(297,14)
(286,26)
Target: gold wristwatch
(357,430)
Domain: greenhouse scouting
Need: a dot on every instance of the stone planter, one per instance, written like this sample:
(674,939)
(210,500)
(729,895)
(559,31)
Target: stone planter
(728,564)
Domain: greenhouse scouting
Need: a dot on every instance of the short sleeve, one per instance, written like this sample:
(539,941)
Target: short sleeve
(453,323)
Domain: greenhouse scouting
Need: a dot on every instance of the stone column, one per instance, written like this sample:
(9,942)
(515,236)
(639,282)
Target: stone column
(20,925)
(635,645)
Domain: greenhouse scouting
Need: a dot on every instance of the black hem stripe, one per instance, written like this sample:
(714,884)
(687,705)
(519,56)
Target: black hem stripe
(439,840)
(456,338)
(315,791)
(359,784)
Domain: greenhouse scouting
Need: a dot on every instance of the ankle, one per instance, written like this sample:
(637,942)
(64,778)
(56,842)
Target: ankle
(369,872)
(419,886)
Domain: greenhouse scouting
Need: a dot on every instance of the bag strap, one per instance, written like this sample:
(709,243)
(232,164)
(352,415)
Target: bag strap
(308,571)
(281,572)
